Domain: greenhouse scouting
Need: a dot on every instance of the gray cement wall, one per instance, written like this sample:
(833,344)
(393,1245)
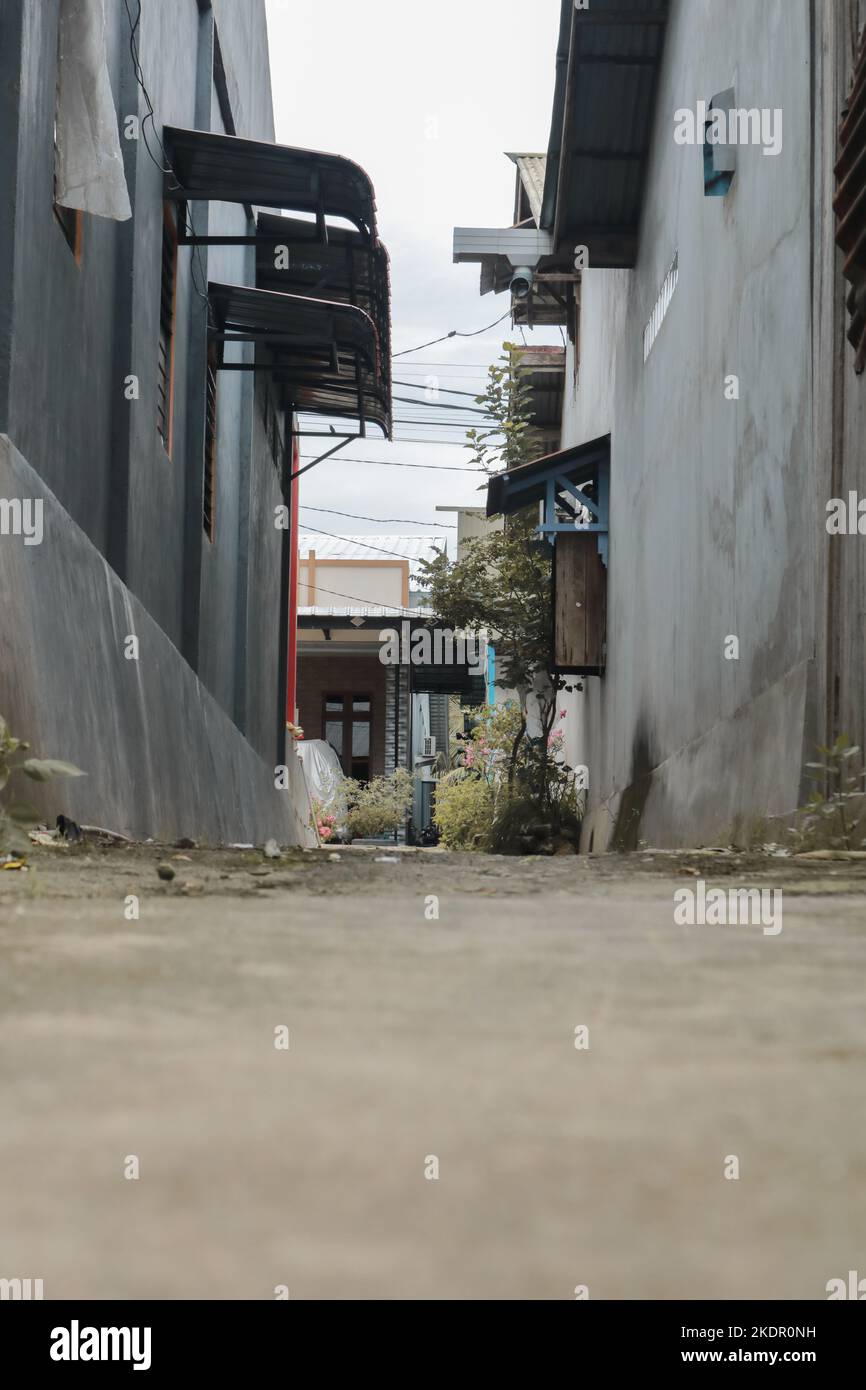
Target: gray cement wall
(162,758)
(71,333)
(712,528)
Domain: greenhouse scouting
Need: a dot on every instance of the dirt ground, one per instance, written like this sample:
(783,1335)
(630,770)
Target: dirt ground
(416,1037)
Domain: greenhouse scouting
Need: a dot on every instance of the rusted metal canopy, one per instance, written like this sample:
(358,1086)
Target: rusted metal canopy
(328,355)
(347,269)
(208,166)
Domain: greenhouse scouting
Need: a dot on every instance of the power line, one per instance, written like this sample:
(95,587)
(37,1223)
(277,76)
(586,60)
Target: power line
(446,405)
(455,333)
(385,520)
(149,115)
(364,602)
(395,463)
(440,390)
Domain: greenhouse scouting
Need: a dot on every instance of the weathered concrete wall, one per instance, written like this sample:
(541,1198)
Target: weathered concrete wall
(162,757)
(71,333)
(712,532)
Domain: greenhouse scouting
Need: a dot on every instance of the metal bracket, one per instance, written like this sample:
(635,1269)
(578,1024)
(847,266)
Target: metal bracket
(550,526)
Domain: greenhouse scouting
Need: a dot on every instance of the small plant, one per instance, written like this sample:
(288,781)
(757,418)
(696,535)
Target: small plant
(324,820)
(464,810)
(17,817)
(834,817)
(378,807)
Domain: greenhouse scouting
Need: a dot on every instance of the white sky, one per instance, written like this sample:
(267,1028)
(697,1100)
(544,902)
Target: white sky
(426,98)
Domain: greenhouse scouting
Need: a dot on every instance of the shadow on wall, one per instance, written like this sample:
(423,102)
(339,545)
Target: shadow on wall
(626,831)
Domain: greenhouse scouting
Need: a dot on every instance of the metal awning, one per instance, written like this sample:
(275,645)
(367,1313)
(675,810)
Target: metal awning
(208,166)
(347,269)
(556,480)
(607,69)
(327,355)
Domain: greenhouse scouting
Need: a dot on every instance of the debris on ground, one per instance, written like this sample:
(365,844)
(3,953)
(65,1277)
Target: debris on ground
(272,850)
(192,887)
(50,838)
(166,872)
(184,843)
(386,859)
(10,862)
(68,829)
(335,858)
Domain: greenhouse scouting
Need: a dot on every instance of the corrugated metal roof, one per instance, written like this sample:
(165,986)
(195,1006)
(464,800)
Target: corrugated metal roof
(607,73)
(411,548)
(368,611)
(531,169)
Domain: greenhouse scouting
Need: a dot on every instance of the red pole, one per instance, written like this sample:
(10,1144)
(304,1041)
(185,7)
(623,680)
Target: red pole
(292,682)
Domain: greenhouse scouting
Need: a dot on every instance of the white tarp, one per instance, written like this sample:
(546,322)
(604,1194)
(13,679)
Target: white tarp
(324,778)
(89,171)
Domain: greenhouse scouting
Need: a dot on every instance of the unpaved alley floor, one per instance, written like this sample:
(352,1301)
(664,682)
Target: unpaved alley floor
(415,1038)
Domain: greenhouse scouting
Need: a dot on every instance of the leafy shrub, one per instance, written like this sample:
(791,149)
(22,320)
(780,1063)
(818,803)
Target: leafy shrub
(835,815)
(18,816)
(464,810)
(378,807)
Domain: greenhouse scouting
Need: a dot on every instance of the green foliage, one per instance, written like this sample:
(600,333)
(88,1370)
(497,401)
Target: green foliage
(507,400)
(834,817)
(18,816)
(378,807)
(463,813)
(508,793)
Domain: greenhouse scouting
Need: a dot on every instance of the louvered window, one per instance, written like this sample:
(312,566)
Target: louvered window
(210,443)
(168,295)
(850,204)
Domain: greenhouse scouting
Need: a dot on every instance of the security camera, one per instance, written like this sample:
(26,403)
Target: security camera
(521,281)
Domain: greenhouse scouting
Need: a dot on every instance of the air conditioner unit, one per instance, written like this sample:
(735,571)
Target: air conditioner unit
(429,748)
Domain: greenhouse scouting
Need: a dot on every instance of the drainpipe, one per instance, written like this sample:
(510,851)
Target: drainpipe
(292,671)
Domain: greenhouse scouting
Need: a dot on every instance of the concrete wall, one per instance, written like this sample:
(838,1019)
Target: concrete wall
(712,533)
(162,758)
(71,333)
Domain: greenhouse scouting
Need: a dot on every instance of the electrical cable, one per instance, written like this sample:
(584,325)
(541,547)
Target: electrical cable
(385,520)
(455,333)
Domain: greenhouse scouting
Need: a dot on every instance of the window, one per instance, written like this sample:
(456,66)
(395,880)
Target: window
(210,442)
(849,205)
(719,159)
(347,726)
(167,306)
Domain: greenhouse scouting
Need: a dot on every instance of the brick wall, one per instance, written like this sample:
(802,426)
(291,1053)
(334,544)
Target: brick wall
(346,674)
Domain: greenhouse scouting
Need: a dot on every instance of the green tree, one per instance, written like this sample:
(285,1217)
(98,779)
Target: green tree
(504,582)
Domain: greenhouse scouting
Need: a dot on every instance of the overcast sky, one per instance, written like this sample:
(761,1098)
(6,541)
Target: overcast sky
(426,99)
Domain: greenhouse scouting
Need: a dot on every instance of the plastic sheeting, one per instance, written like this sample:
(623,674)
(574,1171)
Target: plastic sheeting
(324,778)
(90,174)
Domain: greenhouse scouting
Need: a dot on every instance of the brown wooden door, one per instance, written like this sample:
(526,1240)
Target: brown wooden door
(580,605)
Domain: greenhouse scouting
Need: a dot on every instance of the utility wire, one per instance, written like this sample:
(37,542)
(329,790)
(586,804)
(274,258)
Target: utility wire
(386,520)
(445,405)
(439,390)
(364,602)
(455,333)
(165,169)
(394,463)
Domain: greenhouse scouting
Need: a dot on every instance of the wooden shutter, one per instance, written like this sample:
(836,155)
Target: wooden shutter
(579,605)
(210,442)
(168,295)
(850,205)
